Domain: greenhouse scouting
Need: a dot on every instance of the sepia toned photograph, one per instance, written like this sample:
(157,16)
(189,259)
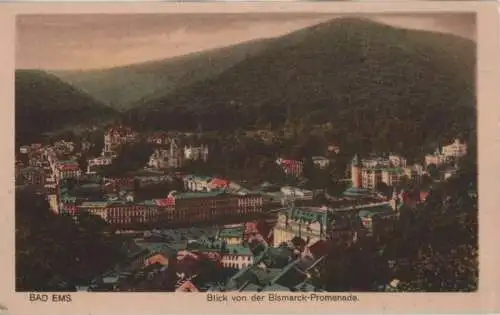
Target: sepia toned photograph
(246,153)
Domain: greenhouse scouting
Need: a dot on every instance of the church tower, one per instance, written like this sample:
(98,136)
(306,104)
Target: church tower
(395,200)
(356,172)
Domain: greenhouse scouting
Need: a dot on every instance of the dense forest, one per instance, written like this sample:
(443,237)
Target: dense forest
(45,103)
(53,253)
(378,88)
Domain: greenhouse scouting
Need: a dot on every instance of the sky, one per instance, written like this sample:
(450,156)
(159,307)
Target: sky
(63,42)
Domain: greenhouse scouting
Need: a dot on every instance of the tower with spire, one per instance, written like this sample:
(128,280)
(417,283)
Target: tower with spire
(395,200)
(356,172)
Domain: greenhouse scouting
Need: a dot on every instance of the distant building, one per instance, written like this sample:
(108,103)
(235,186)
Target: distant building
(30,176)
(447,153)
(197,183)
(116,137)
(333,149)
(436,158)
(294,193)
(455,150)
(312,225)
(67,169)
(232,235)
(320,161)
(291,167)
(236,257)
(198,207)
(98,162)
(195,153)
(167,158)
(121,213)
(370,173)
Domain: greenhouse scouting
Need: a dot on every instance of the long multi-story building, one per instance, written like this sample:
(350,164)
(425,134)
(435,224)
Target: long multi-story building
(198,207)
(122,213)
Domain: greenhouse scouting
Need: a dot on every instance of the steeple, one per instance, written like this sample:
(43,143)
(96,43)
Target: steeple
(395,200)
(355,161)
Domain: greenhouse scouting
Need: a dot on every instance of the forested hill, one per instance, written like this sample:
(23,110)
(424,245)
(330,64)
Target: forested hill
(44,103)
(123,87)
(379,87)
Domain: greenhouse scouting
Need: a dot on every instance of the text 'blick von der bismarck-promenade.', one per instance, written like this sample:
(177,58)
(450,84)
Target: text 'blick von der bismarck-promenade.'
(281,297)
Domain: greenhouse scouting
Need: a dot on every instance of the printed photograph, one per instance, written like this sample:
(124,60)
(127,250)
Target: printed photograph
(276,152)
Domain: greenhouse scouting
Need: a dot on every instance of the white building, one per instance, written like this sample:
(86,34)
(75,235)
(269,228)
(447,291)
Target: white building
(196,153)
(397,161)
(320,161)
(297,193)
(455,150)
(98,161)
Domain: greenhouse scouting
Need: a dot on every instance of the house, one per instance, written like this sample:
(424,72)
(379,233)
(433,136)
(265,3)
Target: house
(320,161)
(218,184)
(312,224)
(455,149)
(67,169)
(296,193)
(236,257)
(115,137)
(197,183)
(165,158)
(98,162)
(231,235)
(30,176)
(196,153)
(291,167)
(333,149)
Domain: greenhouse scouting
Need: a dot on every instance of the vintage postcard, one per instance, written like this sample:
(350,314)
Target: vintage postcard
(250,158)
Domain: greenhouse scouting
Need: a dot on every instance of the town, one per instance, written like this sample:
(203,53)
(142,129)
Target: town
(187,230)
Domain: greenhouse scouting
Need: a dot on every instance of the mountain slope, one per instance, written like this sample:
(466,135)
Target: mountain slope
(44,103)
(122,87)
(373,82)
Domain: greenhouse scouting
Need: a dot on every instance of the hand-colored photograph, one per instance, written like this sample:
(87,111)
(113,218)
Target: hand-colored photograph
(276,152)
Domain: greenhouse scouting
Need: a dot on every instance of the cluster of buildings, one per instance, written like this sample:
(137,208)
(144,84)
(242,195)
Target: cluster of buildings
(171,154)
(278,249)
(392,169)
(447,154)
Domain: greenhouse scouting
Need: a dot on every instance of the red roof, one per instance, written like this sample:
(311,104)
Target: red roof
(219,182)
(423,195)
(169,201)
(290,162)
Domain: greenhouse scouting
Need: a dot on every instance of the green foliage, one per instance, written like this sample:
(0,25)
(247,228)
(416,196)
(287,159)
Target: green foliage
(130,158)
(44,103)
(379,87)
(434,248)
(51,248)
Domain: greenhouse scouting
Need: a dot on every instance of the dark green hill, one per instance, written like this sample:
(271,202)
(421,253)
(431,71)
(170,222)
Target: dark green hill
(44,103)
(379,86)
(122,87)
